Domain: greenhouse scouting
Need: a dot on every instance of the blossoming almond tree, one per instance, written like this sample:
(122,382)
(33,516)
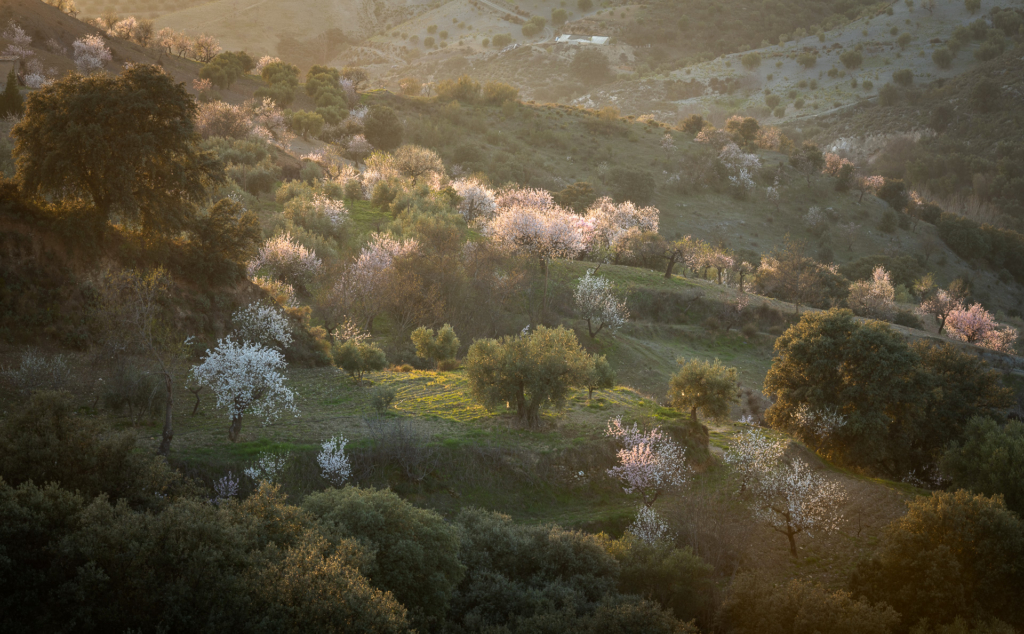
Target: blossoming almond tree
(262,324)
(527,222)
(246,378)
(90,54)
(334,464)
(754,455)
(976,325)
(940,305)
(650,463)
(366,284)
(597,305)
(286,260)
(19,41)
(609,223)
(475,199)
(792,499)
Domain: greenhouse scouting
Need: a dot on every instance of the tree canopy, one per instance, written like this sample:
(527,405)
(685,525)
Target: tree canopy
(126,143)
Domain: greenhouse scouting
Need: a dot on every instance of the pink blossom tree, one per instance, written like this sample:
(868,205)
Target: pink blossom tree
(610,223)
(365,287)
(976,325)
(650,463)
(873,298)
(285,259)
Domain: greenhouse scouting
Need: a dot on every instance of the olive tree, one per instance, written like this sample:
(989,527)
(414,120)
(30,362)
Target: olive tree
(705,386)
(439,347)
(528,370)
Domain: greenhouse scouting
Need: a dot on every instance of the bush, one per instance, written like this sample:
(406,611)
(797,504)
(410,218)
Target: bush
(382,398)
(357,358)
(141,392)
(590,65)
(675,578)
(851,59)
(382,128)
(751,61)
(772,101)
(497,93)
(632,184)
(47,443)
(888,95)
(416,552)
(989,460)
(37,372)
(501,40)
(463,90)
(943,57)
(756,606)
(807,60)
(904,77)
(952,555)
(442,346)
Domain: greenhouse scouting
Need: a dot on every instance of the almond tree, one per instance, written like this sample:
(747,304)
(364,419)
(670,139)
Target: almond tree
(609,223)
(19,41)
(650,463)
(940,305)
(90,54)
(334,464)
(527,222)
(370,275)
(753,455)
(873,298)
(976,325)
(262,324)
(475,199)
(792,499)
(285,259)
(597,305)
(246,378)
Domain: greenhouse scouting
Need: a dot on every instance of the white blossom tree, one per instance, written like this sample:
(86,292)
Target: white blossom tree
(875,297)
(91,54)
(334,464)
(740,165)
(475,199)
(246,378)
(650,463)
(364,289)
(609,223)
(225,488)
(754,455)
(283,258)
(527,222)
(268,467)
(940,305)
(792,499)
(598,305)
(358,148)
(18,41)
(650,527)
(262,324)
(976,325)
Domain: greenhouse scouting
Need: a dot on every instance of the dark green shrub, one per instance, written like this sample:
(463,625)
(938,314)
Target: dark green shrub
(989,460)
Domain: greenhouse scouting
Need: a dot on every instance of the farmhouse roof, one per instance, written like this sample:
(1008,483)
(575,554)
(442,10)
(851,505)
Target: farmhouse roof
(582,39)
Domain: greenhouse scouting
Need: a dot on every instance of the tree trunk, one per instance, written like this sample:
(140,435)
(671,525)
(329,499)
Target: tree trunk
(168,435)
(671,265)
(790,533)
(544,300)
(235,429)
(693,414)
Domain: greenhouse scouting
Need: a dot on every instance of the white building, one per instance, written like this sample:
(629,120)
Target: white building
(582,39)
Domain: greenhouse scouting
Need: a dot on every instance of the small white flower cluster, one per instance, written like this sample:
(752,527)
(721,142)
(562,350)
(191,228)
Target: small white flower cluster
(650,527)
(598,305)
(268,467)
(334,464)
(818,424)
(262,324)
(263,63)
(225,488)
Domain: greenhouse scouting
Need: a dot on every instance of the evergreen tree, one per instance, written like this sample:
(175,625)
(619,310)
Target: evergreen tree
(10,100)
